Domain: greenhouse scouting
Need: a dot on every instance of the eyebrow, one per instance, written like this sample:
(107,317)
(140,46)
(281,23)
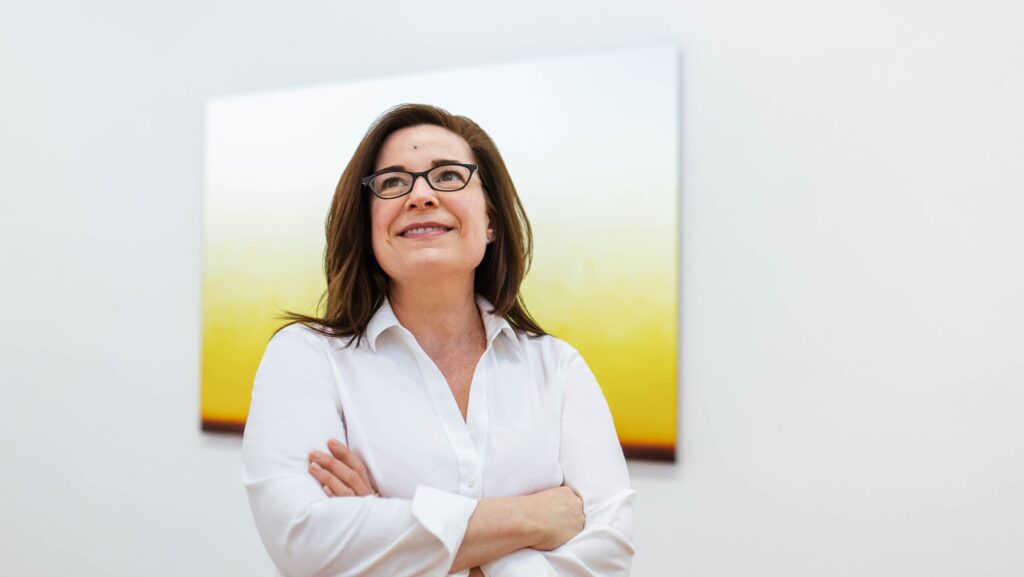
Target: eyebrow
(433,164)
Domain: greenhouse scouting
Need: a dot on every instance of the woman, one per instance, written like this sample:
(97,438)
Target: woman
(427,425)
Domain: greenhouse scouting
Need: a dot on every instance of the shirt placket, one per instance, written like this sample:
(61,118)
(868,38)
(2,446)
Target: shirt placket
(468,439)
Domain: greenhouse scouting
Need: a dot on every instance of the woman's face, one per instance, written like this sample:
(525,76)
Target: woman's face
(457,220)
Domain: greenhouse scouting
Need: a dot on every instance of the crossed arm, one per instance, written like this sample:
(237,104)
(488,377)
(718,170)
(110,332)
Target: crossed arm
(295,406)
(498,526)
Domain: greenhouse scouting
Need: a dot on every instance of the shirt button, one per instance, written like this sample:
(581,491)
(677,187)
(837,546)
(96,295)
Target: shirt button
(471,482)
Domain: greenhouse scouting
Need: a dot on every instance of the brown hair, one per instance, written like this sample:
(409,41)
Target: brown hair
(356,284)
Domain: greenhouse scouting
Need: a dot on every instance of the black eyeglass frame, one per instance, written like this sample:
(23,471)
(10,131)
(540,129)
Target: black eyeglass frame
(367,179)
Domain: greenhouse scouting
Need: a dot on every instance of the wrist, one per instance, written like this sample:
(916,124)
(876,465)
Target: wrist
(529,521)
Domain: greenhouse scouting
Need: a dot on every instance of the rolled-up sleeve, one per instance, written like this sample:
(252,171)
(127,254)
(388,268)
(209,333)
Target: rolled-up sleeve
(295,408)
(594,466)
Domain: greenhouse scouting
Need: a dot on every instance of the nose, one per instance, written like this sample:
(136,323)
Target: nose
(421,194)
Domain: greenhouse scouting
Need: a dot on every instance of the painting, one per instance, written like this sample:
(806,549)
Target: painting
(592,144)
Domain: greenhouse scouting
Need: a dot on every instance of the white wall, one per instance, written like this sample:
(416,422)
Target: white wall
(852,287)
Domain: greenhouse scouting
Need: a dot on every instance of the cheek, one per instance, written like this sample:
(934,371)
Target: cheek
(476,220)
(476,216)
(380,220)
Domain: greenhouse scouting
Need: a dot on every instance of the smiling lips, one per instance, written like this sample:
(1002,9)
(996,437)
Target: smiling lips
(424,230)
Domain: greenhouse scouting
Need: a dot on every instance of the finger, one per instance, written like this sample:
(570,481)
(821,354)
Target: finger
(343,472)
(350,458)
(329,482)
(347,456)
(331,485)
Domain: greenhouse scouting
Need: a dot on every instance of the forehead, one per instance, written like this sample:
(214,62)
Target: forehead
(414,147)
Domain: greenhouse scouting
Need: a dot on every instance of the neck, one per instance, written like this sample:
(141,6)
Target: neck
(440,315)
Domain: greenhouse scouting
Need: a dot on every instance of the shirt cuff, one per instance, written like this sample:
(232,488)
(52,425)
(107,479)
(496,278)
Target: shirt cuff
(445,515)
(521,563)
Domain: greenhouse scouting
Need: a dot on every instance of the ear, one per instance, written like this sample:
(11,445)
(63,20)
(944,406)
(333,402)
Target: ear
(490,228)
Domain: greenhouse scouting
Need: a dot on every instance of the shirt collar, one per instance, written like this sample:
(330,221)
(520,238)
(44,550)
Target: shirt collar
(381,321)
(494,325)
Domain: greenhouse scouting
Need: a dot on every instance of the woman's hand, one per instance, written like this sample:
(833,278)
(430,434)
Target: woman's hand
(341,473)
(560,513)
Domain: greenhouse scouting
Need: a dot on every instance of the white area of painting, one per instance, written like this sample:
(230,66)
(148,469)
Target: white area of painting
(587,139)
(852,295)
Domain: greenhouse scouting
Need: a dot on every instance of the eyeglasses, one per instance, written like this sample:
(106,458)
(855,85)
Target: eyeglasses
(396,183)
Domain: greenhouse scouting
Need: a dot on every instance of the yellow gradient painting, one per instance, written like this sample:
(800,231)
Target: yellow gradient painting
(591,143)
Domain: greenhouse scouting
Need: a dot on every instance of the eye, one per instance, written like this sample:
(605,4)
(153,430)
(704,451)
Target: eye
(391,183)
(451,175)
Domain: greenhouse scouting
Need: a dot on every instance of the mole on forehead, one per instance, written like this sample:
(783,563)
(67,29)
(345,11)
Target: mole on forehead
(436,145)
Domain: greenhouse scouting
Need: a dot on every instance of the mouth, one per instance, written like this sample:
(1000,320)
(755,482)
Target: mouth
(424,231)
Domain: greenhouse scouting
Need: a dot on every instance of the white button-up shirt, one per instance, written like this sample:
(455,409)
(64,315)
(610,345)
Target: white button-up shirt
(537,419)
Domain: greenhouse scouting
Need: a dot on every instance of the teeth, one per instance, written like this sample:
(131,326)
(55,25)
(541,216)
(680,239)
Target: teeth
(424,230)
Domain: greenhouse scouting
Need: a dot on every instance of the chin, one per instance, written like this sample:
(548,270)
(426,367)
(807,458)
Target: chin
(434,264)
